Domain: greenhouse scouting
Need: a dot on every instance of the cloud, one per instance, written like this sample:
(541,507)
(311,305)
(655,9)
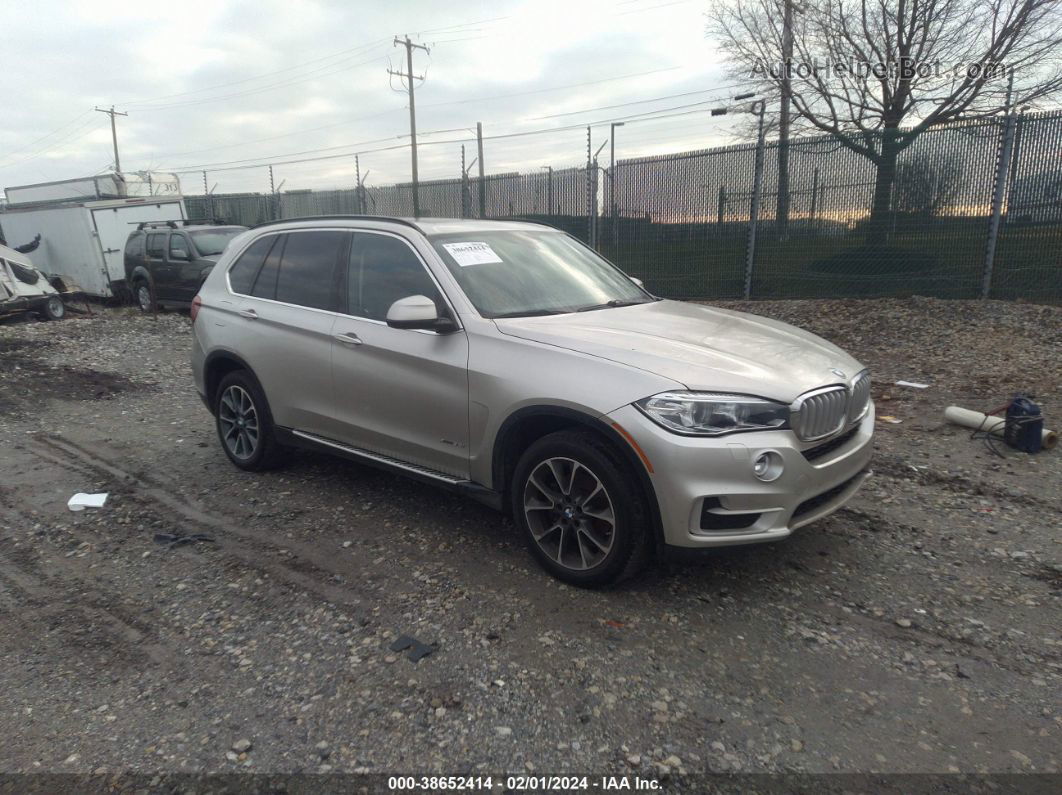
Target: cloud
(210,82)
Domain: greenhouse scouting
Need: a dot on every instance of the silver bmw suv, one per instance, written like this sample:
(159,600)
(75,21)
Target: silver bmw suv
(511,363)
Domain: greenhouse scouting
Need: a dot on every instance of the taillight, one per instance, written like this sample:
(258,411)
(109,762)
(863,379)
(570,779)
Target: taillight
(196,303)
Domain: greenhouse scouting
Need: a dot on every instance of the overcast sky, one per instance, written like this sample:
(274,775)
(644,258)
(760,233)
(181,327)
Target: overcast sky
(219,81)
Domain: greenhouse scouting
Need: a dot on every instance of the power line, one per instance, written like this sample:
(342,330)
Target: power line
(552,88)
(636,102)
(75,135)
(230,165)
(284,135)
(282,84)
(348,53)
(35,141)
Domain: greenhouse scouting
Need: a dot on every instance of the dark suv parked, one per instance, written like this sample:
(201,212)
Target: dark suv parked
(167,262)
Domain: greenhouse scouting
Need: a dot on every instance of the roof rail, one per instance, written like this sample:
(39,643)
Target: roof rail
(172,224)
(352,217)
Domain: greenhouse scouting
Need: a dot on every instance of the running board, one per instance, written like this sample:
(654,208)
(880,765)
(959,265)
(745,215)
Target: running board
(470,488)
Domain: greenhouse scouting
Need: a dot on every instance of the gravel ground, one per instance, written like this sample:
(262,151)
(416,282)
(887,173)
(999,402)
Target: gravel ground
(916,630)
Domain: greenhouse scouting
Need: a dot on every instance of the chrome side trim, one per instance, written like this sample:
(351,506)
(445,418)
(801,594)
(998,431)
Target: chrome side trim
(380,458)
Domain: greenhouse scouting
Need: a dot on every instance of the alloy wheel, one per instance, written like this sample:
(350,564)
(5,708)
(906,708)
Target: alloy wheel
(238,420)
(143,297)
(570,513)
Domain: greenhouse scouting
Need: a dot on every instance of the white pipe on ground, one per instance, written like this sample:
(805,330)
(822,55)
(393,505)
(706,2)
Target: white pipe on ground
(991,424)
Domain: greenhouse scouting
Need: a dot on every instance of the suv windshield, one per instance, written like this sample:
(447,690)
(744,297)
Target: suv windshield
(523,273)
(210,243)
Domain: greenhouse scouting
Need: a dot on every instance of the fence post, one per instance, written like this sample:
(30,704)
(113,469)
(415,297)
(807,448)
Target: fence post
(754,208)
(464,185)
(273,196)
(482,184)
(549,191)
(814,199)
(589,217)
(721,209)
(1006,142)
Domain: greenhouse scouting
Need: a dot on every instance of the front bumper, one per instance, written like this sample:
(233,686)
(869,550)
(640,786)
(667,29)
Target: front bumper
(708,495)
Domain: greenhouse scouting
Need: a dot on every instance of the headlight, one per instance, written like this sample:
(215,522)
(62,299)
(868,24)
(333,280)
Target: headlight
(709,414)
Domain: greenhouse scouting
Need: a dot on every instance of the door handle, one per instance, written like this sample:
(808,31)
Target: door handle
(348,338)
(250,314)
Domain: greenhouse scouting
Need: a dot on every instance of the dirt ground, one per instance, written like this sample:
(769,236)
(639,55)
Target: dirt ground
(917,630)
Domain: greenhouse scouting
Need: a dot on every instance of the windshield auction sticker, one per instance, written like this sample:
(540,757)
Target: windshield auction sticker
(466,254)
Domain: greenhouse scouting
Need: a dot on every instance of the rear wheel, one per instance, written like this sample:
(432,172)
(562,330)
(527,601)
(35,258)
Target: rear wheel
(54,308)
(582,512)
(245,424)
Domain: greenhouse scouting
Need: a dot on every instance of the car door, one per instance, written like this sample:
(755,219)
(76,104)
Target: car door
(399,392)
(163,274)
(182,258)
(284,319)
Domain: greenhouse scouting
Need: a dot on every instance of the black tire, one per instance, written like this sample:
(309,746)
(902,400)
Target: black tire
(53,308)
(265,452)
(143,296)
(630,533)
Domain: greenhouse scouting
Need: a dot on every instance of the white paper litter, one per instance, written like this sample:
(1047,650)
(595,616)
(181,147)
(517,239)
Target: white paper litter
(81,501)
(914,384)
(472,253)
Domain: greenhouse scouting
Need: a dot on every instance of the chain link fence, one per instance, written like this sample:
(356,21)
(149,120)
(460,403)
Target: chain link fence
(684,224)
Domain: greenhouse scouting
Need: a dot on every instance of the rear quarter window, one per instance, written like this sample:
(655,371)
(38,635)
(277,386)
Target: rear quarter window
(244,271)
(134,247)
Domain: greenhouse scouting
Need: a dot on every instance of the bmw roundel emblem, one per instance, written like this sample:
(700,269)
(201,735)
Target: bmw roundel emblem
(838,373)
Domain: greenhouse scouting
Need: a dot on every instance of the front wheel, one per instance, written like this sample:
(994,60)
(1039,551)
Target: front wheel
(582,512)
(54,308)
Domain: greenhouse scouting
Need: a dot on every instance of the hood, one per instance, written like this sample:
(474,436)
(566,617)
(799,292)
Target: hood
(700,347)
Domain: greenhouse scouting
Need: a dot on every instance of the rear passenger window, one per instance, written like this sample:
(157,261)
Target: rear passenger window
(156,245)
(243,273)
(307,269)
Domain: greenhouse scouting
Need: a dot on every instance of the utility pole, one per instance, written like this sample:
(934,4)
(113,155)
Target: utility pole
(754,206)
(357,178)
(114,133)
(782,216)
(1006,145)
(409,78)
(482,183)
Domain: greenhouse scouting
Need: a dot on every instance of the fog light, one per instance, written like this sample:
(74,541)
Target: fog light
(767,466)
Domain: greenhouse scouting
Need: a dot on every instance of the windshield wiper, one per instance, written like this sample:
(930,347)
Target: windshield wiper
(530,313)
(615,302)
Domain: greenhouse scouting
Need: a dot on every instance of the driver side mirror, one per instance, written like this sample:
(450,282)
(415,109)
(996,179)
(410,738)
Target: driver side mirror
(181,256)
(418,312)
(637,281)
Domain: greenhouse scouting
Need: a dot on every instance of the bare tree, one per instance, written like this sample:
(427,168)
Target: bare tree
(875,74)
(927,186)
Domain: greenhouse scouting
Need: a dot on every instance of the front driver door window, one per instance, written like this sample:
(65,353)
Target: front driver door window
(399,392)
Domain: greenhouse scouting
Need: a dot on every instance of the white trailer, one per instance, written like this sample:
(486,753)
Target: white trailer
(83,237)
